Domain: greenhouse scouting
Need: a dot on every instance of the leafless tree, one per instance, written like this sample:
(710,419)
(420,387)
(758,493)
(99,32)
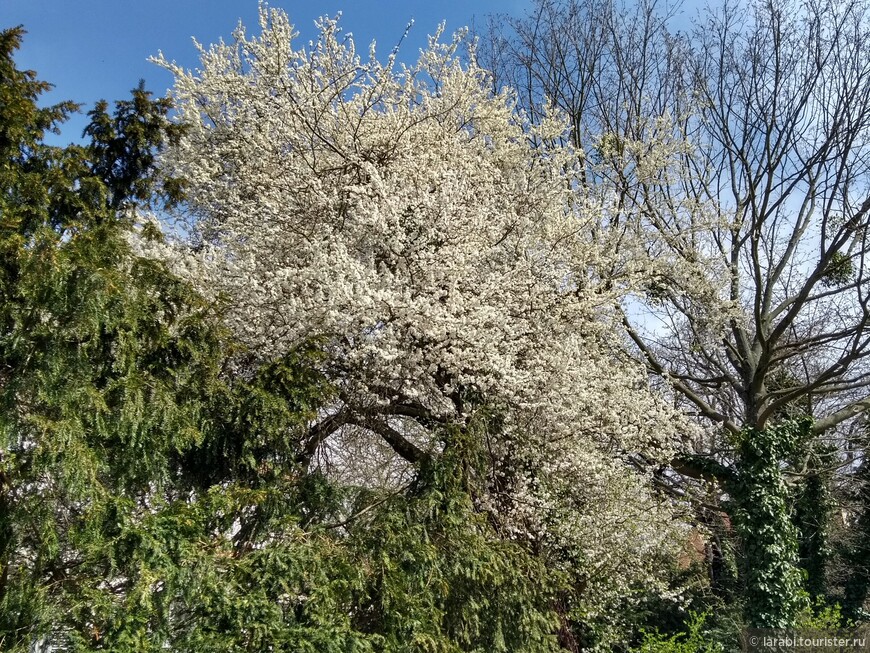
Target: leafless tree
(770,195)
(736,143)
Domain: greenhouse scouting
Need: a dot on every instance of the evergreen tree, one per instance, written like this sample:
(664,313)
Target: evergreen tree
(103,356)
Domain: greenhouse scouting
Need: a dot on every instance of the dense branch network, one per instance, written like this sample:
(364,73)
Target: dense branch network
(428,234)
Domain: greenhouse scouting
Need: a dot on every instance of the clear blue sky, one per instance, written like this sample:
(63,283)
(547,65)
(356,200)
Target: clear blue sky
(93,49)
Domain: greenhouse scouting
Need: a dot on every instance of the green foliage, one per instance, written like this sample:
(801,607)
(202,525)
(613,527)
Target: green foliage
(694,640)
(193,584)
(107,363)
(123,148)
(770,574)
(22,123)
(820,616)
(811,514)
(254,426)
(856,551)
(610,145)
(441,579)
(234,570)
(839,272)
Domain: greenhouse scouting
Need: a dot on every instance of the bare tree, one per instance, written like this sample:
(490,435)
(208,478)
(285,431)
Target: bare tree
(738,150)
(608,67)
(782,114)
(772,102)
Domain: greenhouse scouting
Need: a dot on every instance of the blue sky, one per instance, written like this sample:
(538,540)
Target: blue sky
(93,49)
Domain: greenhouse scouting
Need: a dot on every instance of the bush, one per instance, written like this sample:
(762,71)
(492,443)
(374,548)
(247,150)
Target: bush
(694,640)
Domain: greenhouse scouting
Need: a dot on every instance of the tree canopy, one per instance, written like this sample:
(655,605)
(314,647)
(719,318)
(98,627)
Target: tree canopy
(152,491)
(433,238)
(553,340)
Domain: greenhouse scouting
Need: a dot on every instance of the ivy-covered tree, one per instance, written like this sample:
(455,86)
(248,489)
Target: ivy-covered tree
(762,519)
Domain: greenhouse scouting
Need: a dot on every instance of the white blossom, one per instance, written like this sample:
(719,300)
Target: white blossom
(435,241)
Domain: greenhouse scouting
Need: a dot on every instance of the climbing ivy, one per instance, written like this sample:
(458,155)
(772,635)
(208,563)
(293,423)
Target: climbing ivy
(771,577)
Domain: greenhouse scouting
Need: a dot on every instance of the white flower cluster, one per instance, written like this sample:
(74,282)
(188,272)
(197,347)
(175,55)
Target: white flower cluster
(416,222)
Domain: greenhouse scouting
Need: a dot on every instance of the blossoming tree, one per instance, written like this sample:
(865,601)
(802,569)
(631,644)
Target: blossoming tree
(428,237)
